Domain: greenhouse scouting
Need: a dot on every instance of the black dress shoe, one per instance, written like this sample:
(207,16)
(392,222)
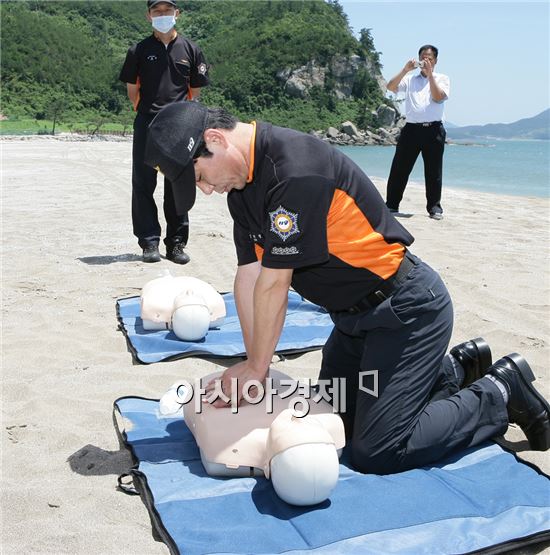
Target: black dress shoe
(177,254)
(475,357)
(151,253)
(526,406)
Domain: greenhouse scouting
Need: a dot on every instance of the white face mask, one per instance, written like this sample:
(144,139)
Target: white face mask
(164,23)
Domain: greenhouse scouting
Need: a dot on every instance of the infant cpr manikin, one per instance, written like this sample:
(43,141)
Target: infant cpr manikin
(299,454)
(187,305)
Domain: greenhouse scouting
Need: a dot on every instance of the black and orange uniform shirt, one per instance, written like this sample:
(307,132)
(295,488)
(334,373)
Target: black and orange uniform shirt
(310,208)
(164,73)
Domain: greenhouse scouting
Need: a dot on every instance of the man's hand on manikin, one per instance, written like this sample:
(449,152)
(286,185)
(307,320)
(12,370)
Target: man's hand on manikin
(245,377)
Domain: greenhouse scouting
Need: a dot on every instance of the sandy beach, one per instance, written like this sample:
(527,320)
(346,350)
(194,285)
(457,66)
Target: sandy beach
(69,253)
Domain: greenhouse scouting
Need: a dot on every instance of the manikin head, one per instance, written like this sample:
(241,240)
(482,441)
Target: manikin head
(302,460)
(180,302)
(190,316)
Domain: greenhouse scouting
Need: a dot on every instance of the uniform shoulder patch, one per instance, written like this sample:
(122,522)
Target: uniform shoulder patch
(284,223)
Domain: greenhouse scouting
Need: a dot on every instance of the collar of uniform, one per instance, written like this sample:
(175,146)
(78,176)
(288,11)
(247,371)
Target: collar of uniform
(250,176)
(165,45)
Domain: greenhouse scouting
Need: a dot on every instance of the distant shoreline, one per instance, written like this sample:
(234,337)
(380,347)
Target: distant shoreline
(448,182)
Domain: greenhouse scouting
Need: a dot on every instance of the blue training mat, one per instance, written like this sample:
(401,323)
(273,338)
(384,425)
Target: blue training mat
(307,327)
(482,499)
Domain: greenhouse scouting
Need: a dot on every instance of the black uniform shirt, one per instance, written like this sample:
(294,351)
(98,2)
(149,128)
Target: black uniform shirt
(164,73)
(312,209)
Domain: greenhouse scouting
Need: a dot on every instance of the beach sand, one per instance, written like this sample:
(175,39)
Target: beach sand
(69,253)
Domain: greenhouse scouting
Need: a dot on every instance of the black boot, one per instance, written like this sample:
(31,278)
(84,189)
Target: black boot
(475,357)
(526,406)
(177,254)
(151,253)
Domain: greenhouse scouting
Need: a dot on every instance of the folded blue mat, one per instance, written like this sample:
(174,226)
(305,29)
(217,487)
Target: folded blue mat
(306,328)
(482,499)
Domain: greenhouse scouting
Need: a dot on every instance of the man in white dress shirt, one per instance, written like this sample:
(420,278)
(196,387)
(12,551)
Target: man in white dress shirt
(425,94)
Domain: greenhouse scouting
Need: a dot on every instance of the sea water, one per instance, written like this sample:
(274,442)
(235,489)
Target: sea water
(503,167)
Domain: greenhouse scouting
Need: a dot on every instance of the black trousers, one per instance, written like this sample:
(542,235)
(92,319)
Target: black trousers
(144,210)
(418,414)
(416,139)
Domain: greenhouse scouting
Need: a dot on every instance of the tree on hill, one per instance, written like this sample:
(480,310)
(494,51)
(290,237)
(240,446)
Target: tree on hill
(77,49)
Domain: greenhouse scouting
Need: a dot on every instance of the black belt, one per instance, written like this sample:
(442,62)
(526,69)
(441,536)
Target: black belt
(425,123)
(386,288)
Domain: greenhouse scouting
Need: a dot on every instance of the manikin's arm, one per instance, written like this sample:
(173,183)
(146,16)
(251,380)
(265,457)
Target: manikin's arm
(262,310)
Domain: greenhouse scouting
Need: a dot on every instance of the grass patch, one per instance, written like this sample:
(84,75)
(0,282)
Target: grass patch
(44,127)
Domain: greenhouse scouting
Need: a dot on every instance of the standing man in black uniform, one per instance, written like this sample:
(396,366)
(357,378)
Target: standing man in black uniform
(162,69)
(306,216)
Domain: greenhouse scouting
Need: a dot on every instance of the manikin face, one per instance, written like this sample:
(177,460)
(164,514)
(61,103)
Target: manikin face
(225,170)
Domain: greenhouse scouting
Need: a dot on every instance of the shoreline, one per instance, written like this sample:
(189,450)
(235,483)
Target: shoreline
(78,138)
(464,188)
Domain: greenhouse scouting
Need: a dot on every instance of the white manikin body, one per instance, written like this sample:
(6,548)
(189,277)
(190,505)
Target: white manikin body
(300,455)
(181,303)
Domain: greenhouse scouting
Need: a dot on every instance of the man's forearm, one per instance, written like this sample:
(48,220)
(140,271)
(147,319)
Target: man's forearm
(133,93)
(393,83)
(245,281)
(437,94)
(270,304)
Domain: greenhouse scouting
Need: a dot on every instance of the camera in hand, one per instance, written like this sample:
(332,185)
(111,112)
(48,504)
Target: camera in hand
(419,64)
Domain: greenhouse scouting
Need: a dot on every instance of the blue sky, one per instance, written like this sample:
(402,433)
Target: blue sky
(495,53)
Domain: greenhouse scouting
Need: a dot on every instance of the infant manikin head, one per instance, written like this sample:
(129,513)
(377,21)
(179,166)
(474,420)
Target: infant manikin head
(302,459)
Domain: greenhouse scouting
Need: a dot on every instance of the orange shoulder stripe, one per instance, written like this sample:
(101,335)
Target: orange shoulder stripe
(353,240)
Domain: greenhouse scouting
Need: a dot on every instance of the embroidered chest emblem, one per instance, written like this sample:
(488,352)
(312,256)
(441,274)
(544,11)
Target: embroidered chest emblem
(284,223)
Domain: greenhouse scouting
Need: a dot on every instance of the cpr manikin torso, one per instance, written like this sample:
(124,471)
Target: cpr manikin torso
(299,454)
(187,305)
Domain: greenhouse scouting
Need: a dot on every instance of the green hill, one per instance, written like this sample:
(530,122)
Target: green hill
(63,58)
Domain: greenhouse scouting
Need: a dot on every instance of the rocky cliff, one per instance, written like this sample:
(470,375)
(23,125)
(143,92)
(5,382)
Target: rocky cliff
(342,75)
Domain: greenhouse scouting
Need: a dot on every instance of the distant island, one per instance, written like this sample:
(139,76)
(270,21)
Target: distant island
(537,127)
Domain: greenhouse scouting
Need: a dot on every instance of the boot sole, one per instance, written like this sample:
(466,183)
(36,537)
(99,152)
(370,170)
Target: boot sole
(484,361)
(540,442)
(485,356)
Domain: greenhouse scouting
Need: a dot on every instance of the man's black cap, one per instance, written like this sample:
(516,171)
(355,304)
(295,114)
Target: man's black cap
(151,3)
(174,136)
